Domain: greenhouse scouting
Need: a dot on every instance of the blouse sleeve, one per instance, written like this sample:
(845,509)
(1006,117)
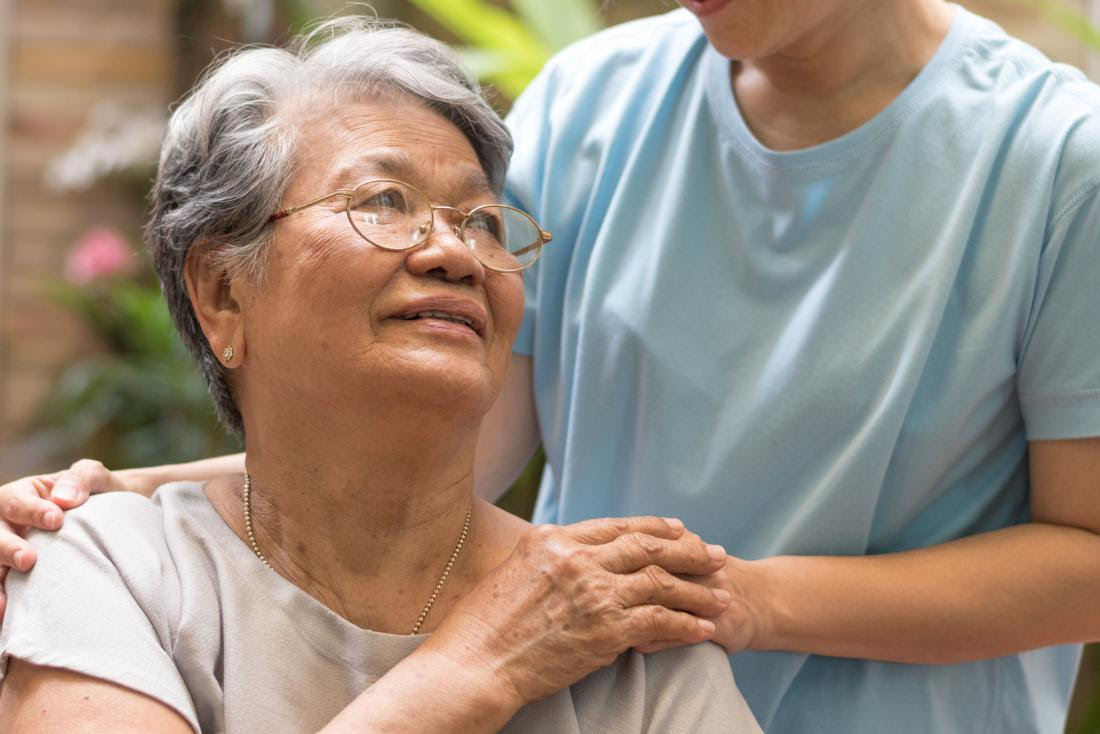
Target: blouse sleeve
(691,689)
(685,689)
(98,601)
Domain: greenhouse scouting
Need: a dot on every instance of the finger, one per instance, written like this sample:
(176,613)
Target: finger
(29,508)
(687,554)
(606,529)
(78,482)
(14,550)
(654,585)
(647,625)
(658,646)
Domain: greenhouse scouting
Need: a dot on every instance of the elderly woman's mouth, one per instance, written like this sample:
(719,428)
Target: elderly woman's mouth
(468,315)
(440,315)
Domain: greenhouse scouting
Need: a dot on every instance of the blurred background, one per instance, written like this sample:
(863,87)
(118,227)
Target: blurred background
(89,362)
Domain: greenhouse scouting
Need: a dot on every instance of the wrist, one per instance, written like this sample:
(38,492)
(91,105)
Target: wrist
(142,481)
(427,691)
(476,698)
(760,585)
(479,677)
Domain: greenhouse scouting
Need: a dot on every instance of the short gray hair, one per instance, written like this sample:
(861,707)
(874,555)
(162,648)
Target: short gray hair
(230,147)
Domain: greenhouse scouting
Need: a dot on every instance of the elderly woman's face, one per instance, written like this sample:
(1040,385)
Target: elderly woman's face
(338,319)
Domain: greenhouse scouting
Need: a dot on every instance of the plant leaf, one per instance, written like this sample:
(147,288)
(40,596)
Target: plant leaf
(498,68)
(1068,19)
(487,26)
(560,22)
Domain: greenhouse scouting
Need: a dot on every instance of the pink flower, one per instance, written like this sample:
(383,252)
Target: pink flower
(99,253)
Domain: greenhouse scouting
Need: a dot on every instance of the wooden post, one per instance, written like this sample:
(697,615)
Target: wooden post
(6,14)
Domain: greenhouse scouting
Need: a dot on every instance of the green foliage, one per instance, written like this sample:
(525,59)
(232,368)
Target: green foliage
(1072,21)
(520,497)
(507,48)
(140,400)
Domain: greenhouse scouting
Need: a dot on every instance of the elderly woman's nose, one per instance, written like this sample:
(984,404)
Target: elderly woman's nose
(445,254)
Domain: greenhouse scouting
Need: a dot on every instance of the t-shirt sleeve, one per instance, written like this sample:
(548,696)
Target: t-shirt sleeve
(97,601)
(1059,372)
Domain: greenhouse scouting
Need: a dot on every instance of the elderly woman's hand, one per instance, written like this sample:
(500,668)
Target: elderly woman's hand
(570,599)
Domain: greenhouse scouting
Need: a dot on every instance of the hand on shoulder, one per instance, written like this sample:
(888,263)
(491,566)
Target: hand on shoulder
(38,502)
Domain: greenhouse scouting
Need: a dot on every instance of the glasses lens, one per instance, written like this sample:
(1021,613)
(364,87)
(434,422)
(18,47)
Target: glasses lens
(503,238)
(390,214)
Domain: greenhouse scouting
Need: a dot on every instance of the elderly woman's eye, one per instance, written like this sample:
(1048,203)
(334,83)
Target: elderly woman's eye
(485,222)
(388,199)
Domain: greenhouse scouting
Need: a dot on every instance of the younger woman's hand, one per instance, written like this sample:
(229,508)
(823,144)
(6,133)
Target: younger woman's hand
(746,622)
(38,502)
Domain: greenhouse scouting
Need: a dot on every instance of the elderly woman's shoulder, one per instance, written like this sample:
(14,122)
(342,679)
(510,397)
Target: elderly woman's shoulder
(685,689)
(678,690)
(121,528)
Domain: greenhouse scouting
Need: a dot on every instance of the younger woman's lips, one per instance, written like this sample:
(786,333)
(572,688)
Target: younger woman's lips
(704,7)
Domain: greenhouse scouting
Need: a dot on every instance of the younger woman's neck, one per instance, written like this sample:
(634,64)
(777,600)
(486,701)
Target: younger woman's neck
(841,74)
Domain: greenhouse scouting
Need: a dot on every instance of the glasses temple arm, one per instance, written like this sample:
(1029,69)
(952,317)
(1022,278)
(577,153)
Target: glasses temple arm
(544,237)
(312,202)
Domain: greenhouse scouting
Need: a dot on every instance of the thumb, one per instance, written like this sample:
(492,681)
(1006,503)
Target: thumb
(78,482)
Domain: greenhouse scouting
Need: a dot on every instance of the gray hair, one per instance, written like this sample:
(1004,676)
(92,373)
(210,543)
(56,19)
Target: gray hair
(230,149)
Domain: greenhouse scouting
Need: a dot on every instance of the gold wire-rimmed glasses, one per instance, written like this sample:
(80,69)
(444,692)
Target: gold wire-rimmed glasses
(394,215)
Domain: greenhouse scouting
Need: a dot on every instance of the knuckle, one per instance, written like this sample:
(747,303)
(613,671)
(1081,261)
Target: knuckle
(653,620)
(88,466)
(647,543)
(620,525)
(11,507)
(9,544)
(691,539)
(582,557)
(659,579)
(695,549)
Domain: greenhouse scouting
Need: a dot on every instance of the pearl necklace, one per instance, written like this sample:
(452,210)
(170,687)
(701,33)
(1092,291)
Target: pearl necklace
(438,585)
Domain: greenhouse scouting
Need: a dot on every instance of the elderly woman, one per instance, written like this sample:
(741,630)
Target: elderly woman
(325,227)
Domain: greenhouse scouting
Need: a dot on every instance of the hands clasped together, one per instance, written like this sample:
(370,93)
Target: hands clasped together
(567,601)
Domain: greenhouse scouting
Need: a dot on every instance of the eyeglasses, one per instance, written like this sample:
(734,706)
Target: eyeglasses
(395,215)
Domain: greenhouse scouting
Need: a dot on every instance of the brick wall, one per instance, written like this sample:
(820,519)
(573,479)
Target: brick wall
(62,59)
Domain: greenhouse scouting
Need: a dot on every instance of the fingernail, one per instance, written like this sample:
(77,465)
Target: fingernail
(51,520)
(64,492)
(674,523)
(706,626)
(717,552)
(722,596)
(17,560)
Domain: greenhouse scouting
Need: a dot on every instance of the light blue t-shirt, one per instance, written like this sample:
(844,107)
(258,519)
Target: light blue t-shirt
(841,350)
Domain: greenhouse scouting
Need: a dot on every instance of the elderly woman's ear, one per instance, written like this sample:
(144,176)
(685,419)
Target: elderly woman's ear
(214,299)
